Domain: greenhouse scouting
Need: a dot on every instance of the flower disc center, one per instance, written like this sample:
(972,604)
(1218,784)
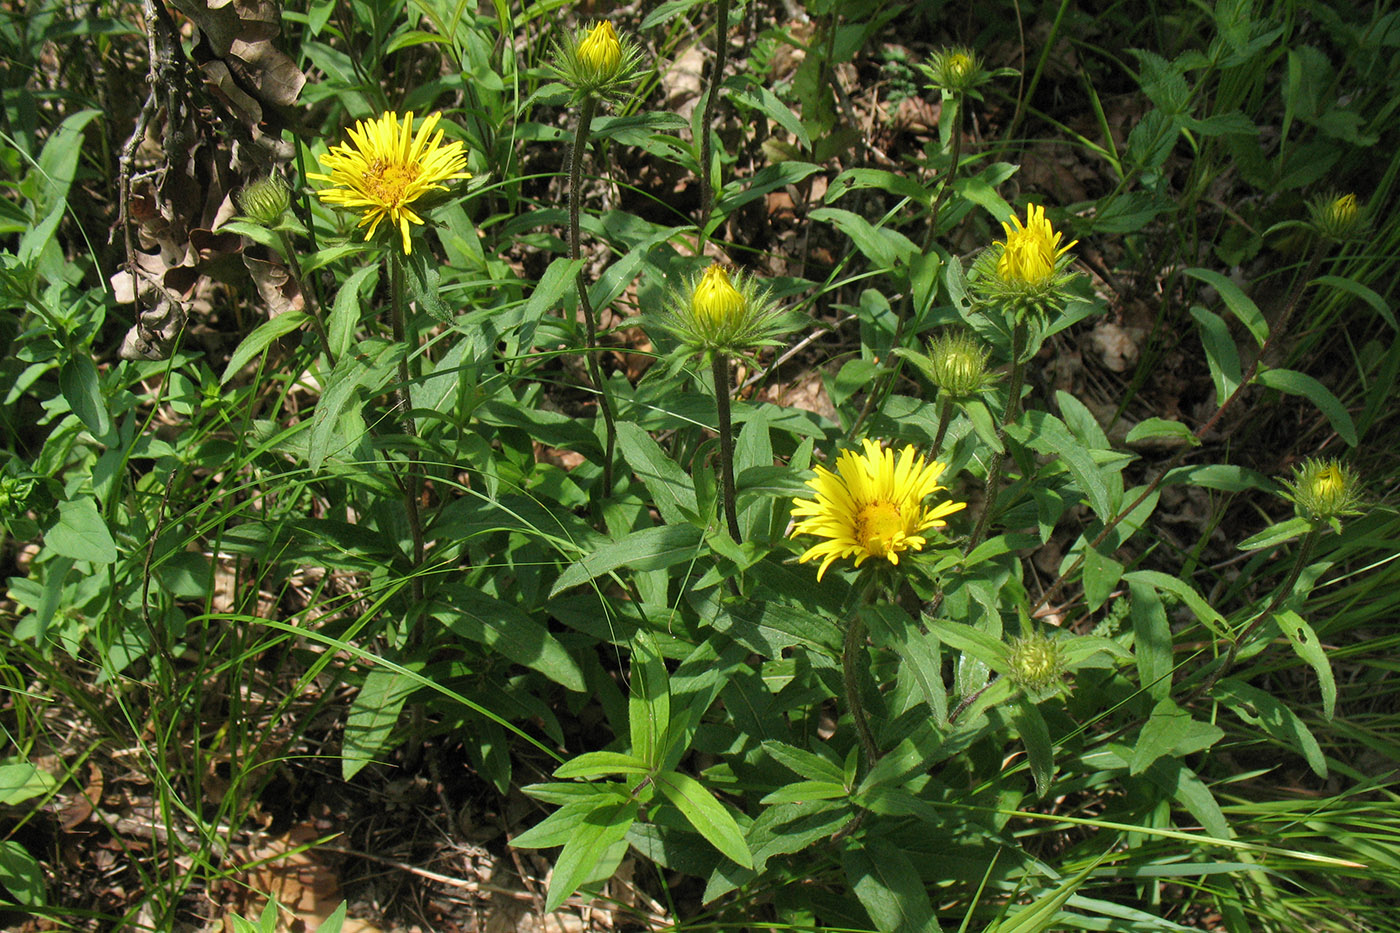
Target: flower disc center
(388,181)
(879,528)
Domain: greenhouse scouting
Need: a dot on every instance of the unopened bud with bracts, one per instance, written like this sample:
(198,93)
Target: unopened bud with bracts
(1036,662)
(266,201)
(1323,491)
(1337,217)
(958,364)
(597,62)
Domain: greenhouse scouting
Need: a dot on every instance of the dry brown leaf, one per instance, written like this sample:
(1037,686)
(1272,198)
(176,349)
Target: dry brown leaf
(305,887)
(1115,346)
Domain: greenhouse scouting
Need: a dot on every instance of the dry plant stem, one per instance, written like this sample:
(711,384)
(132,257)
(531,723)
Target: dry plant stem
(720,369)
(1304,553)
(1013,411)
(1278,329)
(595,373)
(711,95)
(414,480)
(851,657)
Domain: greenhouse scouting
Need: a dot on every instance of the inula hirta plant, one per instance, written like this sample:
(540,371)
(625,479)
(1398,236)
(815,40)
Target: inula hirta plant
(958,364)
(872,506)
(595,62)
(722,311)
(386,168)
(1029,269)
(1337,217)
(1324,490)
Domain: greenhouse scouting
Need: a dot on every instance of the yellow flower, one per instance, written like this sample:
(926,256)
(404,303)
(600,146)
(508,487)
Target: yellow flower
(716,302)
(386,167)
(1324,490)
(1338,217)
(1031,252)
(1344,209)
(959,66)
(600,51)
(1329,482)
(872,506)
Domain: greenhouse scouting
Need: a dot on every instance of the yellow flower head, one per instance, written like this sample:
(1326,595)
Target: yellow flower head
(600,51)
(386,167)
(1338,217)
(1344,209)
(872,506)
(716,301)
(959,65)
(1324,490)
(1031,251)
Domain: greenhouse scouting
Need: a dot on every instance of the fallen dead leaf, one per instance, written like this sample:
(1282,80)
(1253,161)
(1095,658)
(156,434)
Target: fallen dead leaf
(305,887)
(1115,346)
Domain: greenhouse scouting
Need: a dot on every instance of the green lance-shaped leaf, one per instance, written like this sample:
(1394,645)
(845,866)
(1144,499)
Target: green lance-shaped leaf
(706,814)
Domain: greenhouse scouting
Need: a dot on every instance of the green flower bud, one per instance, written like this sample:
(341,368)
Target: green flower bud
(1337,217)
(1037,662)
(597,62)
(266,202)
(959,363)
(954,70)
(1324,490)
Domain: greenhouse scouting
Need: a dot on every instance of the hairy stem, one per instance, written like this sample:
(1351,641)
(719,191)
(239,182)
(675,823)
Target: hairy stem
(945,416)
(949,177)
(711,95)
(851,658)
(595,373)
(1279,328)
(1013,411)
(413,481)
(726,442)
(1305,551)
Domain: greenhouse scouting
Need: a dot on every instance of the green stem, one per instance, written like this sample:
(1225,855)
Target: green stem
(949,177)
(595,373)
(308,294)
(413,482)
(880,392)
(1305,551)
(1013,411)
(851,657)
(726,442)
(1279,328)
(711,95)
(945,415)
(1045,49)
